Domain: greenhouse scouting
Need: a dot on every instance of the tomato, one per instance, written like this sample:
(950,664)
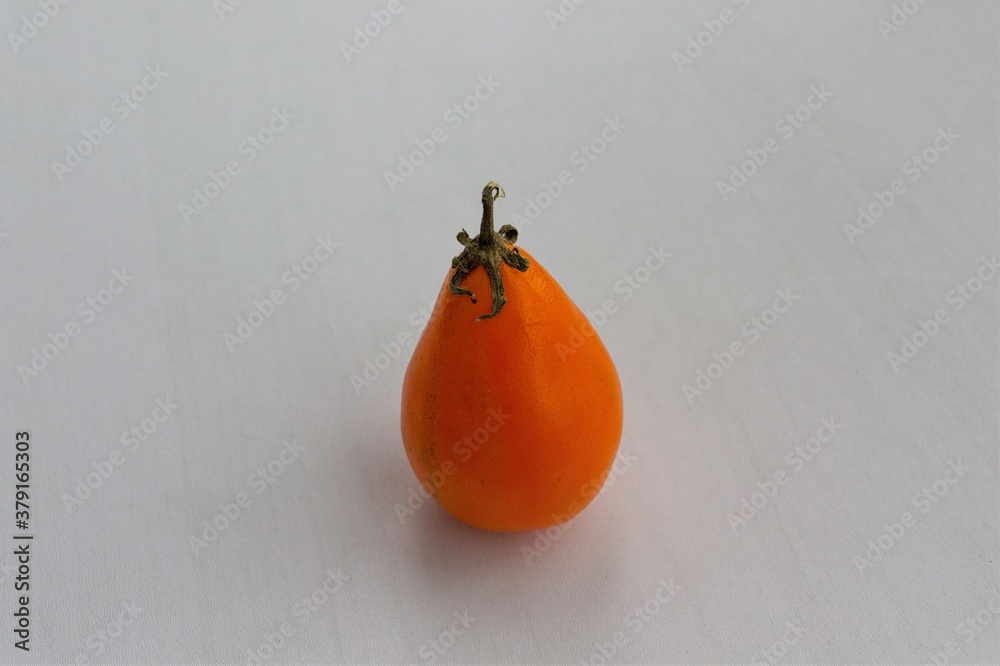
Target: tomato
(502,429)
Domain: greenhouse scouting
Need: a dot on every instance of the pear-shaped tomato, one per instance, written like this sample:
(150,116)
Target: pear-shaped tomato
(509,420)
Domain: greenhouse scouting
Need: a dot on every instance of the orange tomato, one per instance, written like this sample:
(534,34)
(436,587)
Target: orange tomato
(509,421)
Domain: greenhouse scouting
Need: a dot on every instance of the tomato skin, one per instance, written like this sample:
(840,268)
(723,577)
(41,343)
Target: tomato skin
(511,423)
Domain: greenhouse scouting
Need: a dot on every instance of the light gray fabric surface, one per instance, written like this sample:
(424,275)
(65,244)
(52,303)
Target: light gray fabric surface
(730,532)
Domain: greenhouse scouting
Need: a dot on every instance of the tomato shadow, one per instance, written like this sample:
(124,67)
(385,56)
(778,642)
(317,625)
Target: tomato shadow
(532,569)
(450,550)
(448,546)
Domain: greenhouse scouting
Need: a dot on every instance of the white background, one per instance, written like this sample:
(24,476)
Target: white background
(686,465)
